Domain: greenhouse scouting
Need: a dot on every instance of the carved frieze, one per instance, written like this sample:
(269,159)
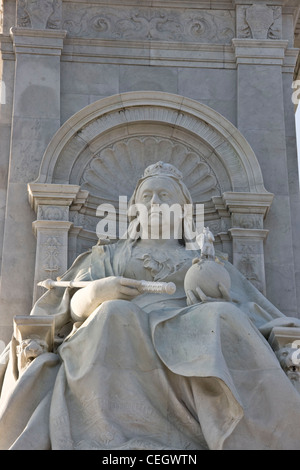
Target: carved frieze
(149,24)
(259,21)
(46,212)
(89,222)
(218,225)
(247,220)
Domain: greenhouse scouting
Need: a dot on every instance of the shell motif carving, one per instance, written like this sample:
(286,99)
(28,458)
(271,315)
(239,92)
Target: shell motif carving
(115,170)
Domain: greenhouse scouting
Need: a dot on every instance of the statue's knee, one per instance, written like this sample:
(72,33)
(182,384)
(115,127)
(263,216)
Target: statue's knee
(117,308)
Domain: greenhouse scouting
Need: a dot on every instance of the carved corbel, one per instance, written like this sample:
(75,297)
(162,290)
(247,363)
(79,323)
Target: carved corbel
(285,341)
(32,337)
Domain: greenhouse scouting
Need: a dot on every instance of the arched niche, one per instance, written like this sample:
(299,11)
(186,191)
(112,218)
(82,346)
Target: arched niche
(100,152)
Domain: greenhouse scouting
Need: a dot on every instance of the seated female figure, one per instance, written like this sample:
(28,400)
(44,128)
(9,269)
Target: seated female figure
(147,370)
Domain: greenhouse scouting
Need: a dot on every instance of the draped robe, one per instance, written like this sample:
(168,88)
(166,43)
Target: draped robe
(152,373)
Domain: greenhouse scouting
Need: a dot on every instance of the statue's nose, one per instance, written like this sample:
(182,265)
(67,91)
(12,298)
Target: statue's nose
(155,199)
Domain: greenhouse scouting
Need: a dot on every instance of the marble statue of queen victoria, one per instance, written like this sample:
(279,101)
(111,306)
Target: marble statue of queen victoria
(132,370)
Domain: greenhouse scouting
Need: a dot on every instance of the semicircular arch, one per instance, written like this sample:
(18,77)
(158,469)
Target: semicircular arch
(105,147)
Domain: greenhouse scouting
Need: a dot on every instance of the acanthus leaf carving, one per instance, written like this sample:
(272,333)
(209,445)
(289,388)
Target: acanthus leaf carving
(149,24)
(39,14)
(259,21)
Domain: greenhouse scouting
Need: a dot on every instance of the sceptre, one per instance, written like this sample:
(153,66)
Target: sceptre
(143,286)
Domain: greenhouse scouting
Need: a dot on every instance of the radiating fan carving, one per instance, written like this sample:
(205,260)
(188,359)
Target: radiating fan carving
(115,170)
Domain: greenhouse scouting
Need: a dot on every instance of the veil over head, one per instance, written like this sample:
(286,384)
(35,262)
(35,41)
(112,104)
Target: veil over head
(165,170)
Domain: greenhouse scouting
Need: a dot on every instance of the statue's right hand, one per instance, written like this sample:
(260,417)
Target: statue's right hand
(87,299)
(115,287)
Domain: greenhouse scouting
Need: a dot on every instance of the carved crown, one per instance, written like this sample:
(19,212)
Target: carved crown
(162,169)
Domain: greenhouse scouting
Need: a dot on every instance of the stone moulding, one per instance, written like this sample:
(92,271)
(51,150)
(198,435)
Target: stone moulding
(51,194)
(36,41)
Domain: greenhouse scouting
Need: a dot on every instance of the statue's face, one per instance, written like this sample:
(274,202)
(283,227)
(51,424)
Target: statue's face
(157,192)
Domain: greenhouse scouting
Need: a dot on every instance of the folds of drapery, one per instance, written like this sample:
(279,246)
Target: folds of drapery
(148,374)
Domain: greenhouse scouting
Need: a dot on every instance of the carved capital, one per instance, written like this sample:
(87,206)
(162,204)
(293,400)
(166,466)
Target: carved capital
(39,14)
(52,203)
(259,21)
